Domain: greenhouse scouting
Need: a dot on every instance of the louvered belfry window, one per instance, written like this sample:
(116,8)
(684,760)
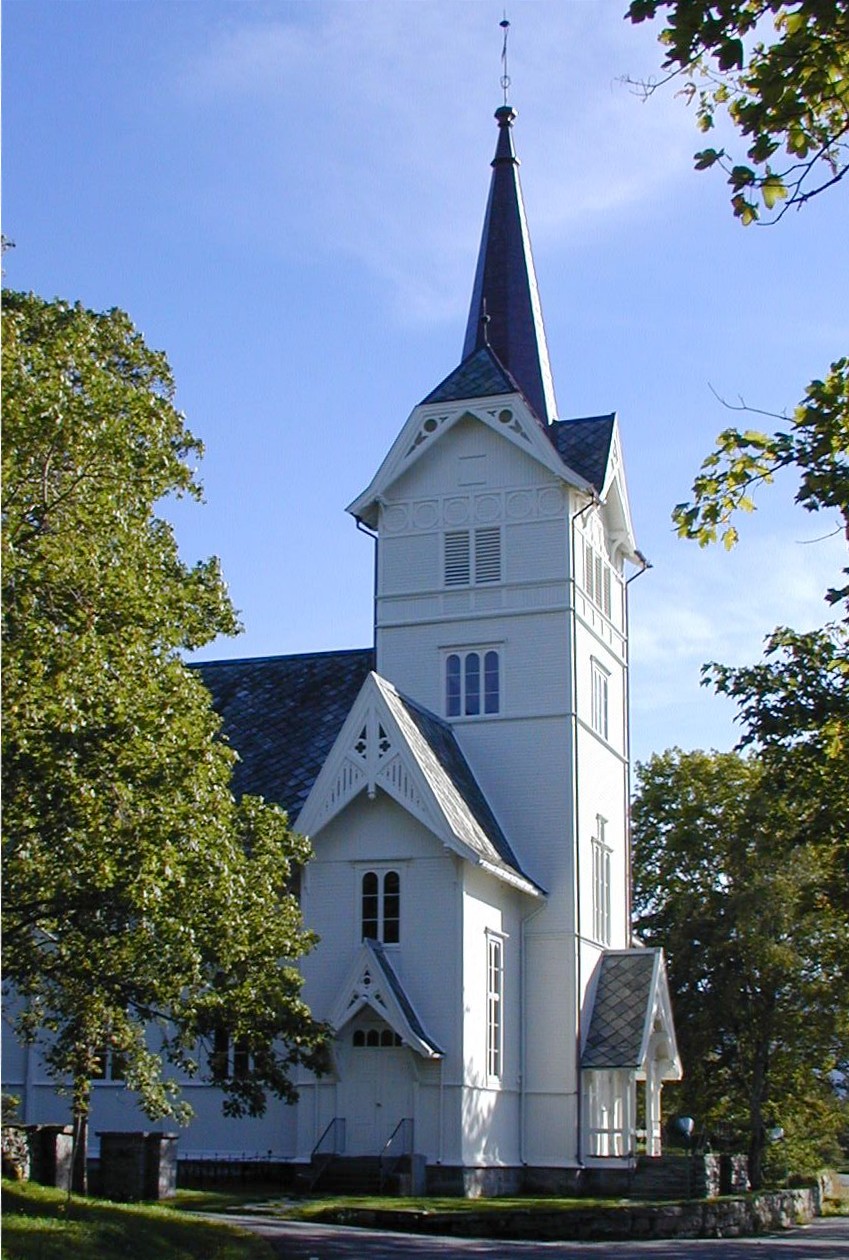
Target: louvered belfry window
(457,557)
(488,555)
(597,579)
(473,557)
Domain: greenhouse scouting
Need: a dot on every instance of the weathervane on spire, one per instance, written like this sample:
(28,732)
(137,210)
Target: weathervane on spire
(505,77)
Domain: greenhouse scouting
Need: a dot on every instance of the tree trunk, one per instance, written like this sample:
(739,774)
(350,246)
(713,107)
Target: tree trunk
(79,1165)
(757,1098)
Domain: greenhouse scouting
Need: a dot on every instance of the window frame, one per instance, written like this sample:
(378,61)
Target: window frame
(387,904)
(472,682)
(494,1006)
(600,699)
(113,1067)
(229,1057)
(601,875)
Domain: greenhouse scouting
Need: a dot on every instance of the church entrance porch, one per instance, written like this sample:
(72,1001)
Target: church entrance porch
(375,1092)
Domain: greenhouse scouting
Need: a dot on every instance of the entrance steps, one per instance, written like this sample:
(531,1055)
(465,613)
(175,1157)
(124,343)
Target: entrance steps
(342,1174)
(676,1176)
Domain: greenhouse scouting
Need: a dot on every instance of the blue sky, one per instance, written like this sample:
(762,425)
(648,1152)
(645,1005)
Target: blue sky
(287,197)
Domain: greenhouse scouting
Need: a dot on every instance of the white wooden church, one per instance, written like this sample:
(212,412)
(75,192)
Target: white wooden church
(465,787)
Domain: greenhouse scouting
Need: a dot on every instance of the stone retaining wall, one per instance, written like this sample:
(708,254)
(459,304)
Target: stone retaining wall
(712,1218)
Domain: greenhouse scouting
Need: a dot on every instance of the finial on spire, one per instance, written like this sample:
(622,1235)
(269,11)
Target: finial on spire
(505,77)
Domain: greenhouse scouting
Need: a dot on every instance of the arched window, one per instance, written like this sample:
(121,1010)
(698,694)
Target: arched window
(371,907)
(381,907)
(391,908)
(453,687)
(491,698)
(472,683)
(376,1039)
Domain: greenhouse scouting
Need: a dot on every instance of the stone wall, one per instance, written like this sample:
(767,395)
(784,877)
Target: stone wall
(16,1158)
(709,1218)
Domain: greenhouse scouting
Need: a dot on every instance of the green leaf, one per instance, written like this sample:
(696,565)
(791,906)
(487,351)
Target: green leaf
(772,191)
(706,158)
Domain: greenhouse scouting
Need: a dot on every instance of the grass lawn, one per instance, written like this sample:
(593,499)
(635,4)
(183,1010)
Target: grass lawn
(41,1224)
(316,1209)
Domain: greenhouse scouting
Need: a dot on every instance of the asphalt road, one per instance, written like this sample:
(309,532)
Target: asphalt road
(822,1240)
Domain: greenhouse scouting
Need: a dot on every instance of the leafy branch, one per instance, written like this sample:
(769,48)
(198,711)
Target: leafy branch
(816,443)
(784,84)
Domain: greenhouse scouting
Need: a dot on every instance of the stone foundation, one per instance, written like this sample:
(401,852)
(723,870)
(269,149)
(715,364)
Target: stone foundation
(473,1183)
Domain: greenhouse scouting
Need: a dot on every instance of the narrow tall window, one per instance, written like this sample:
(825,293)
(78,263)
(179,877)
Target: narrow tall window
(472,683)
(601,883)
(600,687)
(371,907)
(491,698)
(453,686)
(391,908)
(381,907)
(494,1006)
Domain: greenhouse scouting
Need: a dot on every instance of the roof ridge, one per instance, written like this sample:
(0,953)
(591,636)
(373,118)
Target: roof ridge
(280,656)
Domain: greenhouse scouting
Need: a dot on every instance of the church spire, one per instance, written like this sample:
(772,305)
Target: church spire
(505,312)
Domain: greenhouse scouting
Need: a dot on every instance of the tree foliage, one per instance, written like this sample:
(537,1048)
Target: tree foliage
(815,444)
(730,879)
(780,69)
(144,909)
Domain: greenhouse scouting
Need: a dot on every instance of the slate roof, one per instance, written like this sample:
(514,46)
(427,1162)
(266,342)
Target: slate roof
(620,1010)
(505,310)
(584,445)
(282,714)
(478,376)
(380,957)
(450,777)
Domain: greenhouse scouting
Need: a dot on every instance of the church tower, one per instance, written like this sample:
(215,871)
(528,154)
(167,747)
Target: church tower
(504,547)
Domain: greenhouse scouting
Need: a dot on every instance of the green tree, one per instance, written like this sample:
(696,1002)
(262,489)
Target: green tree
(780,69)
(145,911)
(731,881)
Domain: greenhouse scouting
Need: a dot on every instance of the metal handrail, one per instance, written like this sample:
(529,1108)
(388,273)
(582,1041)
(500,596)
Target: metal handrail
(403,1131)
(321,1160)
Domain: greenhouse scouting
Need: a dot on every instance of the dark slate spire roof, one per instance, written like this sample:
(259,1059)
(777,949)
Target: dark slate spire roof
(584,445)
(505,310)
(478,376)
(282,715)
